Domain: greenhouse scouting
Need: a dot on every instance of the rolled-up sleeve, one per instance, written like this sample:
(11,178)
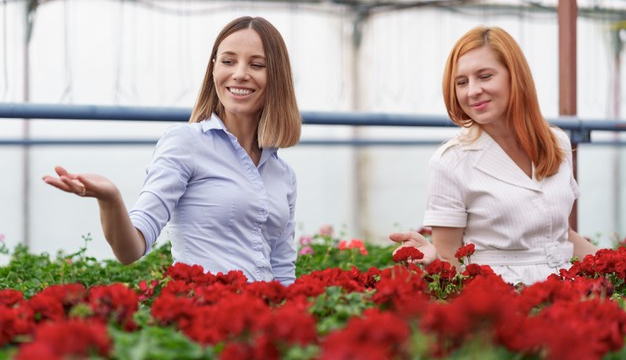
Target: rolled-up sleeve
(166,180)
(445,198)
(283,256)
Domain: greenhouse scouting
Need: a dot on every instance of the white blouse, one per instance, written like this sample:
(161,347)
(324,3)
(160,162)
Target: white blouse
(519,225)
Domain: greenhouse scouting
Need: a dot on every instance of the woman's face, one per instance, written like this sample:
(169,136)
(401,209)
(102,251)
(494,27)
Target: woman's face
(483,86)
(240,73)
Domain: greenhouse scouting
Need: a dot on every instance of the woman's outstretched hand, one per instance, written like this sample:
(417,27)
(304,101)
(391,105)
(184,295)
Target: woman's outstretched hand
(415,239)
(89,185)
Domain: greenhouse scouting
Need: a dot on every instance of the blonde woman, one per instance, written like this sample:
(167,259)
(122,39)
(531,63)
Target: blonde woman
(505,184)
(218,181)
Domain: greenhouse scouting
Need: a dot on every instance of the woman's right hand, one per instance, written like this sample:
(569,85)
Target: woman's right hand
(89,185)
(415,239)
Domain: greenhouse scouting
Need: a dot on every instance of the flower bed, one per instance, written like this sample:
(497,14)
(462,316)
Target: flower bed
(362,309)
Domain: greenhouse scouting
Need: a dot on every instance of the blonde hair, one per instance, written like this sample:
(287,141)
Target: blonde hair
(523,115)
(280,123)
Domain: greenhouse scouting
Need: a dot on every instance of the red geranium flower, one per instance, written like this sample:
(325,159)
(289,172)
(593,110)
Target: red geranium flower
(464,252)
(10,297)
(115,303)
(406,254)
(67,339)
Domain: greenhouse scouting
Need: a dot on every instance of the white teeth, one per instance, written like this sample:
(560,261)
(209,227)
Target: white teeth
(237,91)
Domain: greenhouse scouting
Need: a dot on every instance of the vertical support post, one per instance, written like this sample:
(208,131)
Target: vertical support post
(567,15)
(29,17)
(360,165)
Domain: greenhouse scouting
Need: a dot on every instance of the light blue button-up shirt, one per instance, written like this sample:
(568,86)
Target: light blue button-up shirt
(225,213)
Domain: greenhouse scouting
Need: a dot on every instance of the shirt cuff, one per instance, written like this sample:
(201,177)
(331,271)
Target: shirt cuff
(146,230)
(445,218)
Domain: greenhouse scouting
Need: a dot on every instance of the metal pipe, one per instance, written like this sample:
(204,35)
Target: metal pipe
(135,113)
(567,15)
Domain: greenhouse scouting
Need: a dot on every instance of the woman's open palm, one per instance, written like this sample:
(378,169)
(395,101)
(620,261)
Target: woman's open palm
(89,185)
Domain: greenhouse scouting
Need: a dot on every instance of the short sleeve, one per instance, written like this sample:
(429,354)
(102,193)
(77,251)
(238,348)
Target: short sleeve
(566,145)
(166,181)
(445,205)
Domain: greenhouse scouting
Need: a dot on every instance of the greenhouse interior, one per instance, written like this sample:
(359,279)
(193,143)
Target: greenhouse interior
(92,86)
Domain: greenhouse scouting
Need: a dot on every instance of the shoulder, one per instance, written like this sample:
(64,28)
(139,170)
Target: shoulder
(562,138)
(285,167)
(187,134)
(449,154)
(182,132)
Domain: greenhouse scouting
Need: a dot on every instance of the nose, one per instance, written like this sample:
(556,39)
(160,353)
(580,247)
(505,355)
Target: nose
(474,88)
(240,72)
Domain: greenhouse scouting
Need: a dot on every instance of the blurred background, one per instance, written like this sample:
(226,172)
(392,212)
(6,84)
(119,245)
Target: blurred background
(361,56)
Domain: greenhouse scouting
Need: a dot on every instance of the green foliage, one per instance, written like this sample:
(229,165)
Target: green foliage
(31,273)
(482,348)
(335,307)
(301,353)
(7,352)
(328,256)
(442,288)
(157,343)
(617,355)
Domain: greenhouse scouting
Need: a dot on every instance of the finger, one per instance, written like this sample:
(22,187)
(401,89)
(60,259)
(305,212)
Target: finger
(74,186)
(56,182)
(61,171)
(398,237)
(87,185)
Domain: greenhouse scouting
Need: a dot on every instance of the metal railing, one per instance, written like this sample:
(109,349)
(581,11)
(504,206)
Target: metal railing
(579,130)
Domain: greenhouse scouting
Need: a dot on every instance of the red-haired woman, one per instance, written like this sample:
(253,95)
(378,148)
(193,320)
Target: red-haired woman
(505,183)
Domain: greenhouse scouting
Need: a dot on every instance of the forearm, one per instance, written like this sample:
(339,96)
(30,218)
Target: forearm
(445,255)
(126,241)
(582,247)
(448,240)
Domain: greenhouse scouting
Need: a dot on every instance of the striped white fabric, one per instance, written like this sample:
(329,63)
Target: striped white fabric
(519,225)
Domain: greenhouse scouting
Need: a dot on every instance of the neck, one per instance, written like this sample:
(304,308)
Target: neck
(245,129)
(499,132)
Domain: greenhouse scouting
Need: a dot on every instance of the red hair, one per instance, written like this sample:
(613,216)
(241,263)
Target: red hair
(523,115)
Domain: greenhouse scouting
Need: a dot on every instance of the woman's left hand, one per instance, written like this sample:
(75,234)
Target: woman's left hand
(415,239)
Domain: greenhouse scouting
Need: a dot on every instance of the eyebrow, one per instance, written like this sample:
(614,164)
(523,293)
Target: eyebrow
(478,71)
(233,53)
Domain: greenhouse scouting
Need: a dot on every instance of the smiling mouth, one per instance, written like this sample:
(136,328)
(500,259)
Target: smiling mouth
(240,91)
(480,103)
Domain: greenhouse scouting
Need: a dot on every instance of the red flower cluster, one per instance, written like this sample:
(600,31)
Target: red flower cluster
(406,254)
(49,315)
(567,316)
(375,336)
(115,303)
(464,252)
(225,308)
(16,318)
(604,262)
(67,339)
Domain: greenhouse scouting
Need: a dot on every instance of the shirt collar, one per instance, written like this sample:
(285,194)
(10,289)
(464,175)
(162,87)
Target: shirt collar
(213,123)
